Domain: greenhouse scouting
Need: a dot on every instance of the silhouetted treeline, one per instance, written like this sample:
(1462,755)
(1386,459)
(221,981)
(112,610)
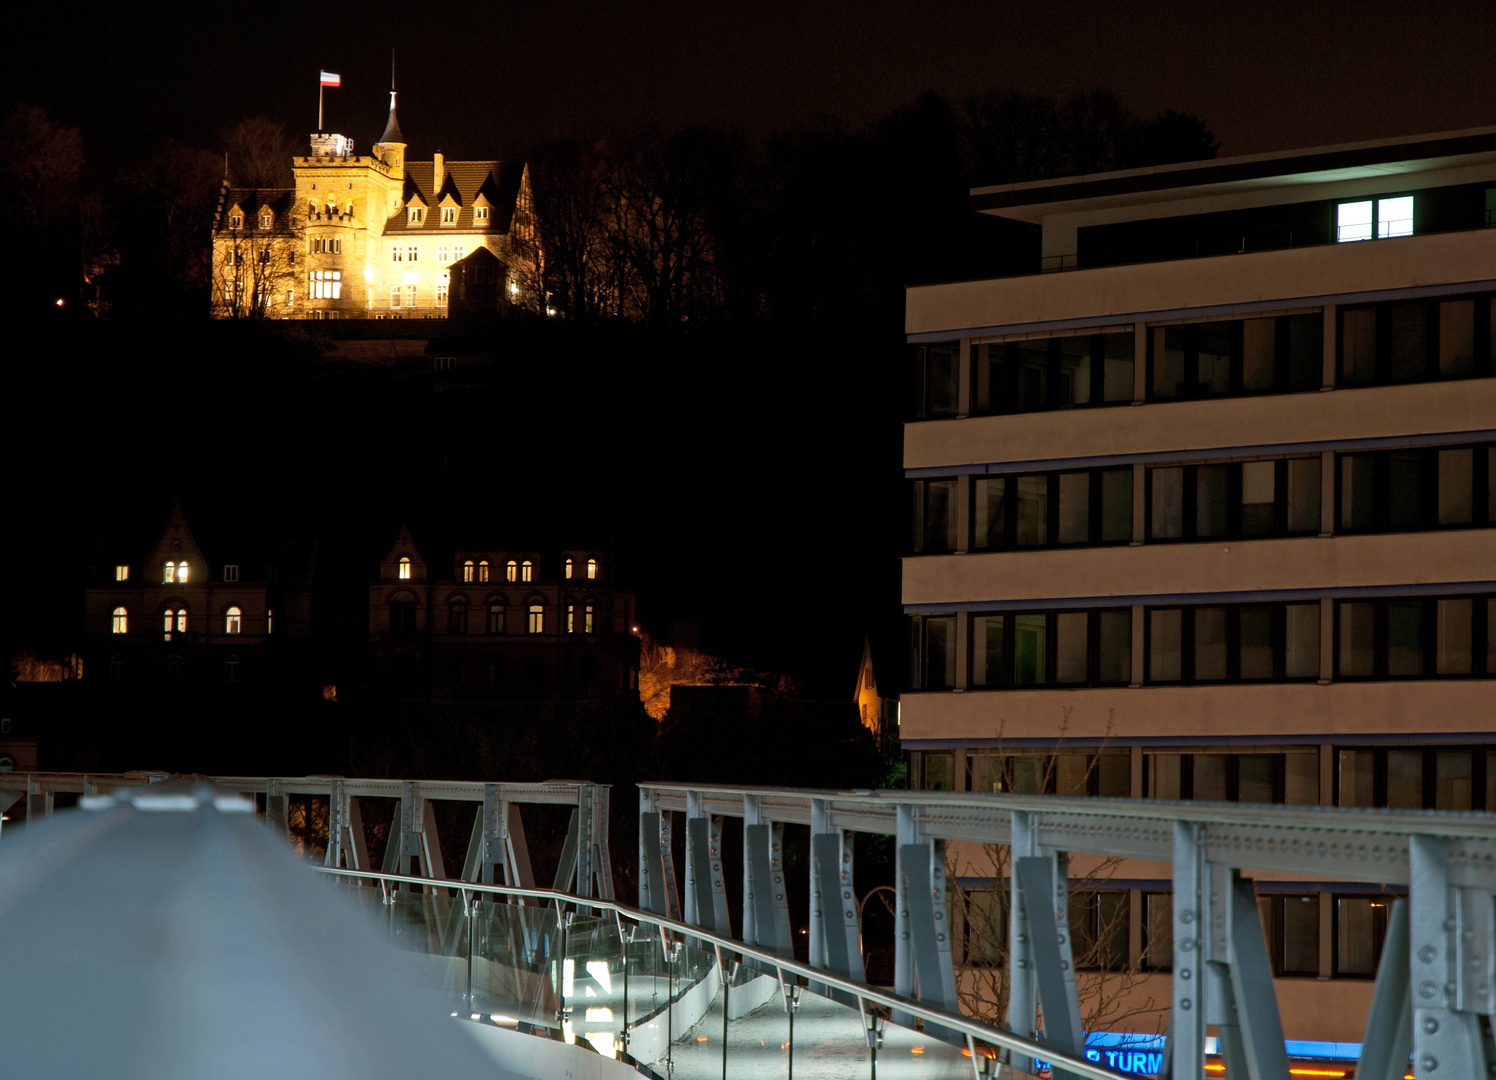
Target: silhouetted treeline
(663,228)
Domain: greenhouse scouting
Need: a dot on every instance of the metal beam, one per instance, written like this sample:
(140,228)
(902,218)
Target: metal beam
(1388,1042)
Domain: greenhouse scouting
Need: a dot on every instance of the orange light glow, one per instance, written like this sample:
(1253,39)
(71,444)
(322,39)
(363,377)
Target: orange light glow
(918,1050)
(1215,1068)
(784,1046)
(1316,1072)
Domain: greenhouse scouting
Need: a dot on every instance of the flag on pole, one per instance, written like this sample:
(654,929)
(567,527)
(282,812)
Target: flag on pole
(329,79)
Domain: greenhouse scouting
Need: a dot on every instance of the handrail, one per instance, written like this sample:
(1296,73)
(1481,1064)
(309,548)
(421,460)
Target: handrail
(971,1029)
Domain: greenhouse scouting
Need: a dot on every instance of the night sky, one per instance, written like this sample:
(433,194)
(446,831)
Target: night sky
(479,80)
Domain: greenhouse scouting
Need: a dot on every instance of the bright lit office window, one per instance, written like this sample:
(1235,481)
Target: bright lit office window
(1381,218)
(1353,221)
(1395,216)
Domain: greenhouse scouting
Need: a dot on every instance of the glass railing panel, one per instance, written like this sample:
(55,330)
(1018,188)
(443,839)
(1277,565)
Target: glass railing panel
(592,981)
(516,966)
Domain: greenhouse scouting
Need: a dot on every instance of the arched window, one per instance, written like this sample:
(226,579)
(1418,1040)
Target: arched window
(404,572)
(587,624)
(457,617)
(568,569)
(121,624)
(182,572)
(495,617)
(231,670)
(527,571)
(232,621)
(170,576)
(174,620)
(511,571)
(467,570)
(537,619)
(591,569)
(483,570)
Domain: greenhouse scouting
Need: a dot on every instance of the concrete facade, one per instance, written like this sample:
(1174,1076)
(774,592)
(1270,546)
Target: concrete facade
(1343,656)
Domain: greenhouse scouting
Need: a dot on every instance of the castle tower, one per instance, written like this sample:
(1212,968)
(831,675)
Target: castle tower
(391,145)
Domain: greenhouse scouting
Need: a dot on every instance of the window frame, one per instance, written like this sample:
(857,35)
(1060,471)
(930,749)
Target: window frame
(1482,664)
(1278,631)
(1190,502)
(1007,664)
(1095,509)
(1483,362)
(1054,368)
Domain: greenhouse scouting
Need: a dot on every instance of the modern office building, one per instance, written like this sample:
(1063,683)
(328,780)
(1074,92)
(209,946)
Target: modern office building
(1203,508)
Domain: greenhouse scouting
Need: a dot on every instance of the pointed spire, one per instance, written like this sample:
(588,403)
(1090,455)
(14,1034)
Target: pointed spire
(392,129)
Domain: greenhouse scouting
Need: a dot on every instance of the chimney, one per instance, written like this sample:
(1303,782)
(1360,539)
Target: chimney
(441,175)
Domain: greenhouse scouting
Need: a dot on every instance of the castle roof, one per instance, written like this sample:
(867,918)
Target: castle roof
(392,127)
(498,182)
(250,200)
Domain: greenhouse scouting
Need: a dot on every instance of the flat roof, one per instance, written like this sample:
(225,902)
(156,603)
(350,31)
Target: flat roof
(1037,199)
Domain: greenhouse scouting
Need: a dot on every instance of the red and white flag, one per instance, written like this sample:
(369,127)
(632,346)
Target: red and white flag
(329,79)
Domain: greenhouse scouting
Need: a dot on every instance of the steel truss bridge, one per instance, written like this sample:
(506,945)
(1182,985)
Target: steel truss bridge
(668,986)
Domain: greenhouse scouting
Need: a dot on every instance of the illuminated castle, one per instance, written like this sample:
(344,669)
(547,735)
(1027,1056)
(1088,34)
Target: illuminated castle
(371,237)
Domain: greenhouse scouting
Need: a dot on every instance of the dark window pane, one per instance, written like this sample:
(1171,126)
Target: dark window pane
(1357,777)
(1491,481)
(1457,337)
(1168,503)
(1304,490)
(940,652)
(1071,773)
(937,369)
(1033,510)
(1456,486)
(1164,640)
(1306,351)
(991,375)
(1075,370)
(1357,491)
(1210,500)
(940,772)
(1117,351)
(1113,776)
(940,515)
(1360,919)
(1210,643)
(1075,508)
(1030,649)
(1210,777)
(989,520)
(1255,777)
(1454,620)
(1163,776)
(1405,490)
(1256,621)
(1453,774)
(1070,647)
(1116,506)
(1409,341)
(1027,775)
(1301,935)
(1301,779)
(1258,498)
(1033,376)
(1357,621)
(1405,779)
(1216,341)
(1358,346)
(1405,637)
(1115,647)
(1301,641)
(1259,352)
(1168,361)
(1491,651)
(987,650)
(1158,931)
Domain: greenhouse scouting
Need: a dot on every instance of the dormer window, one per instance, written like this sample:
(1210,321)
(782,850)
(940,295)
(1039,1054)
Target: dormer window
(122,572)
(182,573)
(480,213)
(404,571)
(267,219)
(449,215)
(236,219)
(417,214)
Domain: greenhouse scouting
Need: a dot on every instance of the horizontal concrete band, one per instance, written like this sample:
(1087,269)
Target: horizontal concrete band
(1224,311)
(1185,743)
(1351,592)
(1000,468)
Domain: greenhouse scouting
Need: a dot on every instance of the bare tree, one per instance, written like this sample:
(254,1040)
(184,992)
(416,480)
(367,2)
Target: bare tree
(259,153)
(254,263)
(570,214)
(42,163)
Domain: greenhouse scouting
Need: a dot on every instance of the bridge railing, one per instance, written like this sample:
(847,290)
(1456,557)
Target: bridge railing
(1435,989)
(638,984)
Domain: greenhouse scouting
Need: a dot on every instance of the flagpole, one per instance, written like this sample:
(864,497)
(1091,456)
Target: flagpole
(320,88)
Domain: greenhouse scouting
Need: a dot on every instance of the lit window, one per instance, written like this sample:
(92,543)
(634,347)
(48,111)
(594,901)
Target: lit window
(511,571)
(480,213)
(325,284)
(483,570)
(396,254)
(231,572)
(1395,216)
(174,620)
(449,215)
(411,253)
(457,253)
(591,569)
(232,621)
(121,624)
(537,618)
(587,619)
(410,296)
(1381,218)
(441,295)
(267,219)
(416,214)
(182,573)
(568,569)
(527,571)
(467,570)
(441,254)
(404,568)
(269,620)
(236,220)
(571,618)
(122,573)
(394,296)
(171,573)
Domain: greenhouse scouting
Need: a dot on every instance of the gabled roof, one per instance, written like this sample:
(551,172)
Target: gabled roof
(497,181)
(250,201)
